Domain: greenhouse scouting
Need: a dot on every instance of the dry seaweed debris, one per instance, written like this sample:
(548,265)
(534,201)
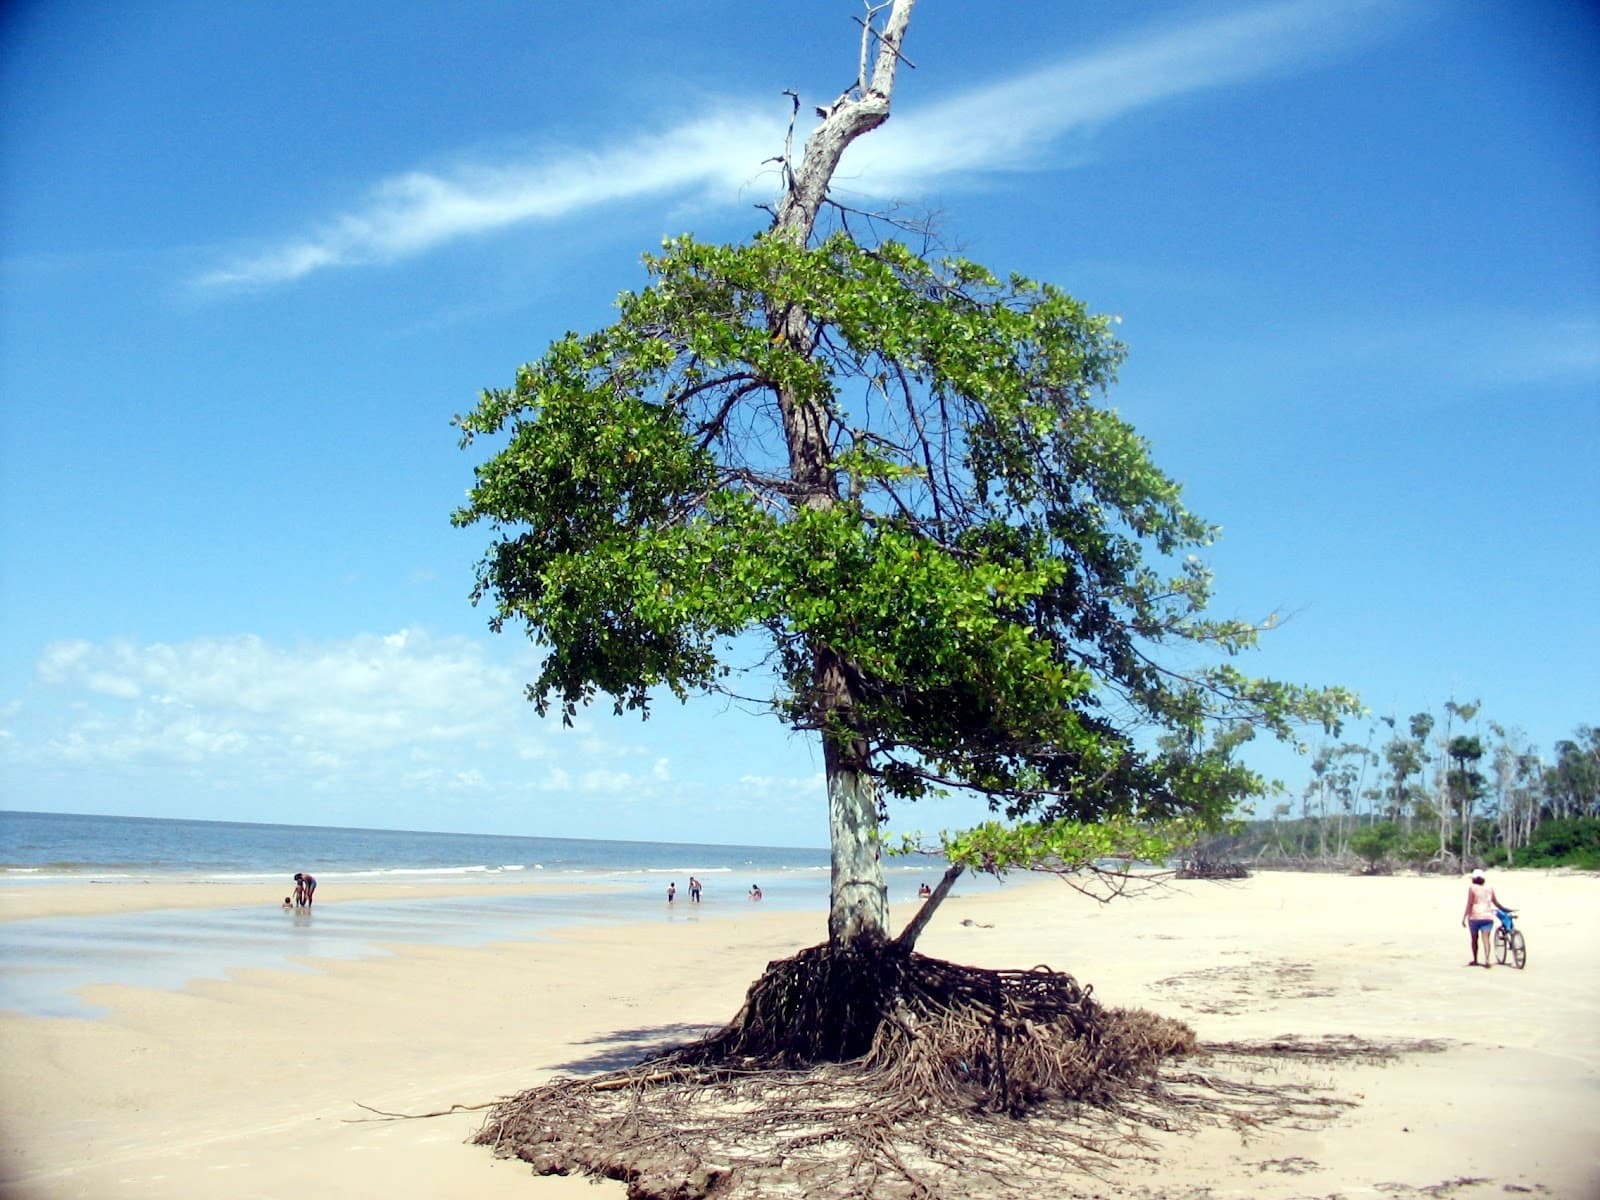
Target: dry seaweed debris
(1002,1079)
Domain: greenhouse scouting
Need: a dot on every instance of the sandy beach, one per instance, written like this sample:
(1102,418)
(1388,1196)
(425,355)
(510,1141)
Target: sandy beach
(253,1085)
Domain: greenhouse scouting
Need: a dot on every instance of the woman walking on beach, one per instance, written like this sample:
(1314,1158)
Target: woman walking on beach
(1479,916)
(304,887)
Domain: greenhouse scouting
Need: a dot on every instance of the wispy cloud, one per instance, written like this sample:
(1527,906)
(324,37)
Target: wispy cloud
(1378,358)
(1008,125)
(1011,125)
(420,210)
(1456,348)
(1443,352)
(1533,348)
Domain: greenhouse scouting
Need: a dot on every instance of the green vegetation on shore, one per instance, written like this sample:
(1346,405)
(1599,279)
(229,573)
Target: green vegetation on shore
(1435,795)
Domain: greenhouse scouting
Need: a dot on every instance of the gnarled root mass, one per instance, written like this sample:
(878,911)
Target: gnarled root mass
(857,1072)
(1212,868)
(1000,1041)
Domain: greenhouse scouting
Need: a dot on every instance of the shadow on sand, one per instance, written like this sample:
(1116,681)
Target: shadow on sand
(624,1048)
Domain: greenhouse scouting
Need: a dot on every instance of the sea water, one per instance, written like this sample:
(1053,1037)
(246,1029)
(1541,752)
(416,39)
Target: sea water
(54,846)
(45,961)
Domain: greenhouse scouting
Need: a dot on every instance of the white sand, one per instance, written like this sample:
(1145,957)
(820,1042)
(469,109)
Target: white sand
(250,1087)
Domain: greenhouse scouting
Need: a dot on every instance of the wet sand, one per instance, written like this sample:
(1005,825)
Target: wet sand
(26,900)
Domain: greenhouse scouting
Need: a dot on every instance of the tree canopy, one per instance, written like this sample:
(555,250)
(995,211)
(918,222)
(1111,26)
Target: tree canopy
(982,550)
(900,471)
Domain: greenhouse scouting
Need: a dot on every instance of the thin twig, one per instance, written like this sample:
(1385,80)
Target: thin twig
(394,1116)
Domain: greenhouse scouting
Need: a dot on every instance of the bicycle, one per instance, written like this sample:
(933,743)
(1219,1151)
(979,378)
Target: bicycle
(1508,940)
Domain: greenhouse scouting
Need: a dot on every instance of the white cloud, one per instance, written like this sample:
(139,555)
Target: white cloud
(362,724)
(119,686)
(189,741)
(316,706)
(772,788)
(1008,125)
(606,782)
(420,210)
(61,659)
(436,780)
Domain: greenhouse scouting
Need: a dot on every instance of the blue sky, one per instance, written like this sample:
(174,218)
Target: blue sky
(253,259)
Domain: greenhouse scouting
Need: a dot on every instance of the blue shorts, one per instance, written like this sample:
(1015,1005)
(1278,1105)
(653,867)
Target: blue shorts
(1478,926)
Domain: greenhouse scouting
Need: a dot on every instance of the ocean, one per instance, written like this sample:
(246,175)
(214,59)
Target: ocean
(61,846)
(45,962)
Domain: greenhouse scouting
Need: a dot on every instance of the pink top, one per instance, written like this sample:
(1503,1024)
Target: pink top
(1480,902)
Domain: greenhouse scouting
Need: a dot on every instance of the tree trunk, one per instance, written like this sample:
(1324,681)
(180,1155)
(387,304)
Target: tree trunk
(859,908)
(1446,800)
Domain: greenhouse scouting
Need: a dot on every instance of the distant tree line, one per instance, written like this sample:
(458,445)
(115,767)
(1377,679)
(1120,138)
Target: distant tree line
(1442,792)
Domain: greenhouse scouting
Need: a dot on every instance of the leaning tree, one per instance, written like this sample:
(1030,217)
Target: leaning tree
(898,474)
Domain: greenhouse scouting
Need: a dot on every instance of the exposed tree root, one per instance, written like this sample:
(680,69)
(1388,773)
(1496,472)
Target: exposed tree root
(828,1131)
(1201,867)
(933,1067)
(1002,1041)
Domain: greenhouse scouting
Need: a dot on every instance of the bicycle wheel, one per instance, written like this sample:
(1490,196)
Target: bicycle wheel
(1519,949)
(1500,945)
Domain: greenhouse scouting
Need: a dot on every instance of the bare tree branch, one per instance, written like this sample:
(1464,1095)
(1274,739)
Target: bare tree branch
(913,930)
(853,114)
